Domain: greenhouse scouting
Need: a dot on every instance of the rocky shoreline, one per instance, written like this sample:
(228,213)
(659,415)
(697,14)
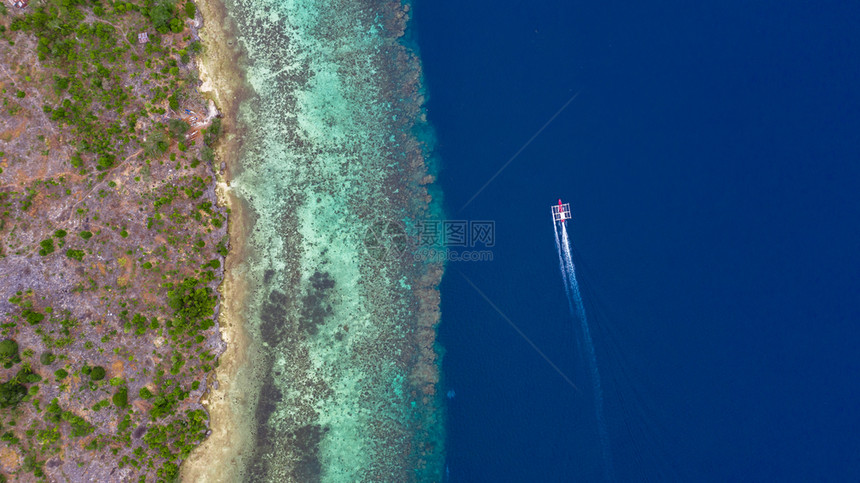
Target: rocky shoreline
(230,403)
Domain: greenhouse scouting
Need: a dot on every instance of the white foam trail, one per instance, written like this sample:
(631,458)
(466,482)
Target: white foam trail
(575,299)
(562,267)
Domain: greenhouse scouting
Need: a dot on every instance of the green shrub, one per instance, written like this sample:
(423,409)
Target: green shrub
(176,26)
(27,376)
(97,373)
(105,161)
(191,305)
(124,424)
(53,413)
(60,233)
(32,316)
(60,83)
(10,438)
(47,246)
(139,323)
(86,235)
(177,128)
(9,353)
(48,436)
(160,15)
(11,393)
(47,358)
(156,143)
(145,393)
(221,248)
(168,471)
(80,426)
(210,134)
(165,403)
(61,374)
(8,349)
(120,398)
(75,254)
(177,361)
(190,9)
(207,154)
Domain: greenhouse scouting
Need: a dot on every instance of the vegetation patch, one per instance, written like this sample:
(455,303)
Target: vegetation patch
(112,168)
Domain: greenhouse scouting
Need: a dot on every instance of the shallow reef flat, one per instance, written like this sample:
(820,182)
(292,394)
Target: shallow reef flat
(340,367)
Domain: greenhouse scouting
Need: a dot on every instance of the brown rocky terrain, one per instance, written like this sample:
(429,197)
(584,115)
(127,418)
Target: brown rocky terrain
(111,241)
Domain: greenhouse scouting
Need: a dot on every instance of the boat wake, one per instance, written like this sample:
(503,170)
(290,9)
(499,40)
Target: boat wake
(561,214)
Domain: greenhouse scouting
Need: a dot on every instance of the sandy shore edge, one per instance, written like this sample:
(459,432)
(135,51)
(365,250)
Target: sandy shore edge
(221,456)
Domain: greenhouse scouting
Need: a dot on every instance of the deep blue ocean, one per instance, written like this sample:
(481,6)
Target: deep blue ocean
(712,161)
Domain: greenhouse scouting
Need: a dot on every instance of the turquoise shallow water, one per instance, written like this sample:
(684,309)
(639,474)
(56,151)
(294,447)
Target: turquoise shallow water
(334,173)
